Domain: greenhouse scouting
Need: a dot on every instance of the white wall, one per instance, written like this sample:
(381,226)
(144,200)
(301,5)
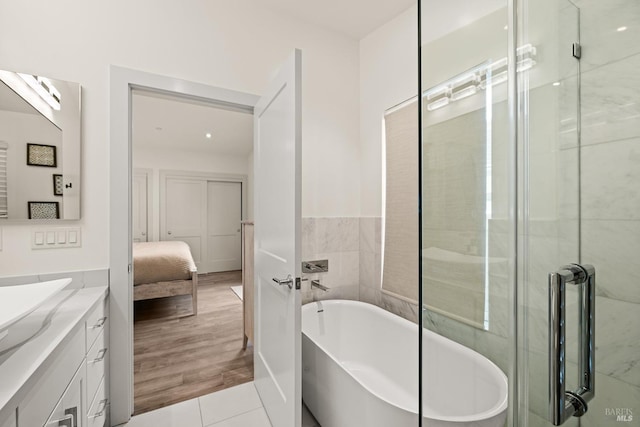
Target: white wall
(29,183)
(235,44)
(388,76)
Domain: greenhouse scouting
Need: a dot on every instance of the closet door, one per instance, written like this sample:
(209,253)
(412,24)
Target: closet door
(224,213)
(186,214)
(140,205)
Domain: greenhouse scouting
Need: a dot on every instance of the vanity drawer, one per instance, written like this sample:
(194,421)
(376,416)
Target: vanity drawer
(97,414)
(97,361)
(36,407)
(96,323)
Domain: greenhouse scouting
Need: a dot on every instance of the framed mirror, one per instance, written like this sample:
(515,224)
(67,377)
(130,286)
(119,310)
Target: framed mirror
(40,143)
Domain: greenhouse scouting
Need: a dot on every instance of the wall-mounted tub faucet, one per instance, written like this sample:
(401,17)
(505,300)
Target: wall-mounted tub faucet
(316,284)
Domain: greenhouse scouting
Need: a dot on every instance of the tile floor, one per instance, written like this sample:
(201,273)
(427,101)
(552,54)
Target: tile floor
(237,406)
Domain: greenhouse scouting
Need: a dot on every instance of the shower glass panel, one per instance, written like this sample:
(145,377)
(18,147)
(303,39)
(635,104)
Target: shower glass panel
(465,199)
(529,164)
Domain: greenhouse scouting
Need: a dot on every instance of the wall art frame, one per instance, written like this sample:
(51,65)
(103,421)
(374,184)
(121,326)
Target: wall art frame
(58,187)
(44,210)
(42,155)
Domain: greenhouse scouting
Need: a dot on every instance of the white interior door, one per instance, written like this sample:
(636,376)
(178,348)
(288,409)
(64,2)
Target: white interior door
(139,206)
(224,212)
(186,214)
(277,146)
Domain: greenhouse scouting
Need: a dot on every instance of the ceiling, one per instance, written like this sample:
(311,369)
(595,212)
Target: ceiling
(171,122)
(163,121)
(354,18)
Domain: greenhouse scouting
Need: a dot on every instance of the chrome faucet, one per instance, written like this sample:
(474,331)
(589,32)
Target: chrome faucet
(319,266)
(316,284)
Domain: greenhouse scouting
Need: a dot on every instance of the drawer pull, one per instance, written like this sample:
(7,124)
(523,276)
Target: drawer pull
(100,356)
(101,409)
(100,323)
(69,420)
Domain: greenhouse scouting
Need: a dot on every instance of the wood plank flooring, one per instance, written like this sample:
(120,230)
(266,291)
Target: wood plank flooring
(179,358)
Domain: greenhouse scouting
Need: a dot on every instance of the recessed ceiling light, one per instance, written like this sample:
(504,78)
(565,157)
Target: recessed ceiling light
(621,29)
(506,27)
(208,135)
(556,83)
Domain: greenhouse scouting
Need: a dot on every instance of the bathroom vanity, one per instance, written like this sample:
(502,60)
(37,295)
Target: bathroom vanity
(54,361)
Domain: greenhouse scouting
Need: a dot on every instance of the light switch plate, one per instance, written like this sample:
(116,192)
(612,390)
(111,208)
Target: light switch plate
(55,238)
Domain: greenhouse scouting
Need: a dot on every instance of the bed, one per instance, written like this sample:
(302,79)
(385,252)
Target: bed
(164,269)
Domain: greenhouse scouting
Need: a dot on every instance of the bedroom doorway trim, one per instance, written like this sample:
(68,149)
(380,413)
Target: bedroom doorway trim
(122,82)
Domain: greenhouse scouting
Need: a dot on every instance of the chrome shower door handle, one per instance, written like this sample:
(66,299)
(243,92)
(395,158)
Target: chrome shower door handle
(564,404)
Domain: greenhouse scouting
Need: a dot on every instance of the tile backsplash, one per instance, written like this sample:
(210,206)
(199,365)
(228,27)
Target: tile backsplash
(81,279)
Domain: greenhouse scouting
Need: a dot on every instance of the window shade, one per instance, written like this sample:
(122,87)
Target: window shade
(400,268)
(3,179)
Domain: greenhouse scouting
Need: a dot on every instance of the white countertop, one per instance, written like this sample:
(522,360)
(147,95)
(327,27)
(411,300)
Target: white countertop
(33,341)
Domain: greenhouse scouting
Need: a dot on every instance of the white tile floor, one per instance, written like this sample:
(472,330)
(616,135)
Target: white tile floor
(237,406)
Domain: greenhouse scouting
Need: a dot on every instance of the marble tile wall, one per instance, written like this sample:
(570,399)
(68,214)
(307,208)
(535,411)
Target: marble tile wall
(371,272)
(353,247)
(337,240)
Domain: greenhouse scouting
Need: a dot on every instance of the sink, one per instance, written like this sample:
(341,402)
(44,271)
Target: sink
(18,301)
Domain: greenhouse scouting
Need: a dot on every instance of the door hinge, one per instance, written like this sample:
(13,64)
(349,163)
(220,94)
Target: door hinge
(129,268)
(577,50)
(298,281)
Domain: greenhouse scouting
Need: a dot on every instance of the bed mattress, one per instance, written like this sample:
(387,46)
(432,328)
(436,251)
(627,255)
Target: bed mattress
(161,262)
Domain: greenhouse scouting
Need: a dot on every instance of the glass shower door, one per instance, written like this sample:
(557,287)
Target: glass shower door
(548,206)
(579,122)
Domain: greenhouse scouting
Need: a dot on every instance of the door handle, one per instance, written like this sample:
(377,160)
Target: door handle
(564,404)
(288,281)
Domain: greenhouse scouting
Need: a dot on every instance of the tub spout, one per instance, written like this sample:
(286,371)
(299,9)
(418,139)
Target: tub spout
(316,284)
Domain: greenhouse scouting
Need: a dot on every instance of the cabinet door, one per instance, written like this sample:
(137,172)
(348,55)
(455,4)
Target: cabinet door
(69,411)
(10,422)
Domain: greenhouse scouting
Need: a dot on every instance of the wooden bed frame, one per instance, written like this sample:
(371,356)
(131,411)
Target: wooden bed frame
(170,288)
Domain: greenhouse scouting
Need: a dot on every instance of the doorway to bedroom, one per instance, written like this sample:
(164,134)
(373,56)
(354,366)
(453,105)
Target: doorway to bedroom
(192,166)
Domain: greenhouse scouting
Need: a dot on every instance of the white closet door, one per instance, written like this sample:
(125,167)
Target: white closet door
(186,215)
(140,198)
(224,201)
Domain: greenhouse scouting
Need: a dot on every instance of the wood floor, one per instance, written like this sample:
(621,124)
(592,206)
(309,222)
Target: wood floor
(177,359)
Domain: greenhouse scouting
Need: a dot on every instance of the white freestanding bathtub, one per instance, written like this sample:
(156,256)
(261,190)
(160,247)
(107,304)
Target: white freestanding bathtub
(360,368)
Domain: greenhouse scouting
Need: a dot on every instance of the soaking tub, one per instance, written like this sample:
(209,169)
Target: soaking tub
(360,365)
